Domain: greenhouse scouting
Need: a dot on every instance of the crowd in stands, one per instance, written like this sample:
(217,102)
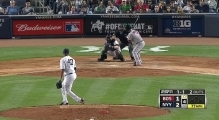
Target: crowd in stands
(113,6)
(133,6)
(16,7)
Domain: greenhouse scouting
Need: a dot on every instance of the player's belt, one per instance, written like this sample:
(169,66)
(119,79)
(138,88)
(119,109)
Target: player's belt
(68,74)
(139,42)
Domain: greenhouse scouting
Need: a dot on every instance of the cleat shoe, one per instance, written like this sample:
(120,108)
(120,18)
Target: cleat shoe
(122,60)
(82,101)
(115,58)
(100,60)
(63,103)
(135,64)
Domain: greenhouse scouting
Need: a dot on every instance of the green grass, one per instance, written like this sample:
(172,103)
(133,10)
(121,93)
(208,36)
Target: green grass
(36,91)
(15,53)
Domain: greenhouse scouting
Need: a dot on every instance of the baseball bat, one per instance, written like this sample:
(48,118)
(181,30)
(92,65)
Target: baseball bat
(136,21)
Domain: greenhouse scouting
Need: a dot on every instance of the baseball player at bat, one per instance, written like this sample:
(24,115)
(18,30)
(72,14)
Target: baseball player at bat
(68,72)
(137,40)
(112,48)
(121,33)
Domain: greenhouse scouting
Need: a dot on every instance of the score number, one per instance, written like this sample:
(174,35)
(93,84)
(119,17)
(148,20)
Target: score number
(170,101)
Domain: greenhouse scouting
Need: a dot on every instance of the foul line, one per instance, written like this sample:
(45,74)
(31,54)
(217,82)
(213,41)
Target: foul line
(205,73)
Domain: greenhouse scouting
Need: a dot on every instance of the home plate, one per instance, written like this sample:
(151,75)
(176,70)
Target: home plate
(113,65)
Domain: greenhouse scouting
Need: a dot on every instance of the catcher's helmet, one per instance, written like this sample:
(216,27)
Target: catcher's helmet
(110,36)
(128,27)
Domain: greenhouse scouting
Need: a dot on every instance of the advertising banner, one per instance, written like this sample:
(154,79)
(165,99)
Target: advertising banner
(48,27)
(211,26)
(102,26)
(5,28)
(182,27)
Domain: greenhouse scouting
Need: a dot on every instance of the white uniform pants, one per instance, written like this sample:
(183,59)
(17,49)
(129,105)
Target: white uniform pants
(136,52)
(66,88)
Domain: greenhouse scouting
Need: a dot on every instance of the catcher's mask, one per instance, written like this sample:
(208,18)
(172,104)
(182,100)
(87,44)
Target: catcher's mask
(113,36)
(110,36)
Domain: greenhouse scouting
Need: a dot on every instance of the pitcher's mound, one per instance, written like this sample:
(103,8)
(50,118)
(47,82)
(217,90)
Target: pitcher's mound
(84,112)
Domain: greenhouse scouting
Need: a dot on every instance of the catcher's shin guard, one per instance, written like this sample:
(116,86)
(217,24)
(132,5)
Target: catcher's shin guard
(104,52)
(102,57)
(120,56)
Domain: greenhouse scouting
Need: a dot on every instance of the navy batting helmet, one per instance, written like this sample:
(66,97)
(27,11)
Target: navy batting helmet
(128,27)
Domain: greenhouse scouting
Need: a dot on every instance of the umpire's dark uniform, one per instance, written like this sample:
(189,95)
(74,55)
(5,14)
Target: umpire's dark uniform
(121,34)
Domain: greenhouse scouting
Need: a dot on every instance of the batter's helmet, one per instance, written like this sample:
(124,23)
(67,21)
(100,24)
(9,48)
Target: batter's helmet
(128,27)
(66,51)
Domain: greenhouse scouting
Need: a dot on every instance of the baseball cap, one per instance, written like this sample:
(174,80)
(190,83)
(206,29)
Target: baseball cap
(66,51)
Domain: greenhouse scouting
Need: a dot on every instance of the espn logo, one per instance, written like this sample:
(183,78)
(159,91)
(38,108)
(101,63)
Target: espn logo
(182,23)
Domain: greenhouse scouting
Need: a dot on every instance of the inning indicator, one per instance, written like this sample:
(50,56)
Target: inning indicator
(169,98)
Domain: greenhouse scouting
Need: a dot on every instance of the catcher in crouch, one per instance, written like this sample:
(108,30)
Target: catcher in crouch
(112,48)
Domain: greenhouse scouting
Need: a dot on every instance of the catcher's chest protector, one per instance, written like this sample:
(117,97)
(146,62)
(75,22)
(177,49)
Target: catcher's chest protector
(112,42)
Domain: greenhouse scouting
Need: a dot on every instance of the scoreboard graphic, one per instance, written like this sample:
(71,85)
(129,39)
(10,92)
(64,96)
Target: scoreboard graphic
(188,99)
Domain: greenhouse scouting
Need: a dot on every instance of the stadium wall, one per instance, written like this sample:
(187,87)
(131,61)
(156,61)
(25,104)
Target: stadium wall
(98,25)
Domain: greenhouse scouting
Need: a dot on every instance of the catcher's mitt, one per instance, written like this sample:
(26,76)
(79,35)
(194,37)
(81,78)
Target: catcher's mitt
(59,84)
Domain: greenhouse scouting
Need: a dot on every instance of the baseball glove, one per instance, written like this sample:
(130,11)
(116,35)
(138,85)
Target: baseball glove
(59,84)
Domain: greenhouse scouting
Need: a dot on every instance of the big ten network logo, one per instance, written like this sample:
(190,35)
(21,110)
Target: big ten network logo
(1,22)
(141,27)
(182,24)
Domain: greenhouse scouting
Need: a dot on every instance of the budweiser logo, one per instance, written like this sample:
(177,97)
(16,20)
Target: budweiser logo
(25,27)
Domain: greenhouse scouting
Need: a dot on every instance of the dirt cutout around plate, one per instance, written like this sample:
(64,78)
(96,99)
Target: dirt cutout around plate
(84,112)
(87,66)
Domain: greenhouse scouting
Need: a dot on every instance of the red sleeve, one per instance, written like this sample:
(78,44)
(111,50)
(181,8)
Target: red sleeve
(136,7)
(118,2)
(146,6)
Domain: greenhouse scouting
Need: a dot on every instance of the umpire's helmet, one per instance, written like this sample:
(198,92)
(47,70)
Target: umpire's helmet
(121,27)
(128,27)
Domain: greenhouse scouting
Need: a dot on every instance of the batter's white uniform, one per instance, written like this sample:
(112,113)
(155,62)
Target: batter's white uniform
(113,53)
(136,40)
(68,63)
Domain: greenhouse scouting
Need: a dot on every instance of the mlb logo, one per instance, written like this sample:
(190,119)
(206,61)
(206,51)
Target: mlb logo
(149,27)
(72,28)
